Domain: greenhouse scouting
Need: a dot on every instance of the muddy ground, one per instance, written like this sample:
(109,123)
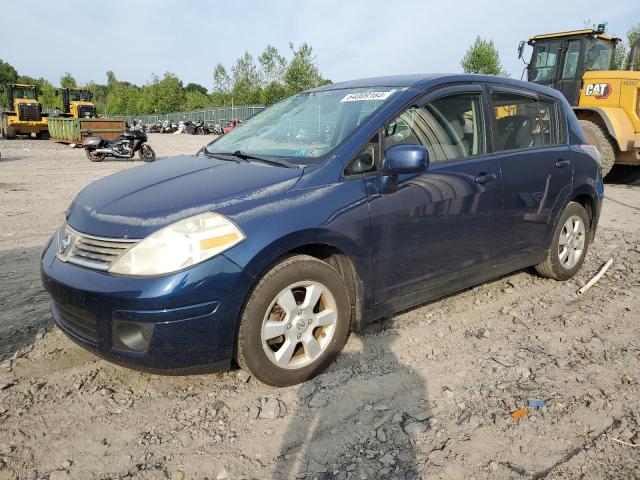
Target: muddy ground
(426,394)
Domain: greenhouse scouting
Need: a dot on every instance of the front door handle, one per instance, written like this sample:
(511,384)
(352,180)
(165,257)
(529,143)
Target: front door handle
(562,163)
(485,178)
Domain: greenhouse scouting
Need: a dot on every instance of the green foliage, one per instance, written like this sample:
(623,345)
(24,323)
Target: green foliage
(264,80)
(67,81)
(302,72)
(195,87)
(483,57)
(623,49)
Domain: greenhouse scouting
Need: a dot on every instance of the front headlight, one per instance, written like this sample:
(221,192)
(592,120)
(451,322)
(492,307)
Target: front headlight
(179,245)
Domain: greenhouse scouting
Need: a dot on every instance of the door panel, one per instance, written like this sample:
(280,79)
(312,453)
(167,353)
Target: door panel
(536,168)
(436,226)
(536,185)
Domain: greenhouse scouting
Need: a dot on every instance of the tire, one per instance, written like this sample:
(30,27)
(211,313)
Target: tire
(146,153)
(11,133)
(597,136)
(555,266)
(94,157)
(43,135)
(258,352)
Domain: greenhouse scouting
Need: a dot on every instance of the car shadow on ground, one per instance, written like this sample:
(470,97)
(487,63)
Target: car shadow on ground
(24,304)
(363,400)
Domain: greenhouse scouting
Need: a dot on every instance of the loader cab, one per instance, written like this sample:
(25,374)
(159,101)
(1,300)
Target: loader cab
(76,103)
(559,60)
(20,92)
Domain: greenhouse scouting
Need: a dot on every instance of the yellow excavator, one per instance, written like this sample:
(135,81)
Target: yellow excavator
(24,115)
(76,103)
(607,102)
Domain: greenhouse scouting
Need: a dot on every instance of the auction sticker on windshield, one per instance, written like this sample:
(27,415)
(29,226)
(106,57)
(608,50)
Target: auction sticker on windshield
(360,96)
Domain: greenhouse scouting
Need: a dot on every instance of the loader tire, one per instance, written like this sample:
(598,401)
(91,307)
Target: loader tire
(11,133)
(598,137)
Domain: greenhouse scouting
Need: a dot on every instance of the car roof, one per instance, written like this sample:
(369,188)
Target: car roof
(428,80)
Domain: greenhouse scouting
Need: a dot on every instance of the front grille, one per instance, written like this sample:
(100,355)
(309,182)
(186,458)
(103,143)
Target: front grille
(30,111)
(88,251)
(86,111)
(77,321)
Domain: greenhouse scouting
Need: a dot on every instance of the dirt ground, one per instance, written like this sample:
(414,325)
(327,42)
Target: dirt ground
(425,394)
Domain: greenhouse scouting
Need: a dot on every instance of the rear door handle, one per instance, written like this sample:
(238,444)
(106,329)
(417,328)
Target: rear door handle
(486,178)
(562,163)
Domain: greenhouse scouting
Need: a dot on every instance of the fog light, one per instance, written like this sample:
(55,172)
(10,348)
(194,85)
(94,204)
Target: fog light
(132,336)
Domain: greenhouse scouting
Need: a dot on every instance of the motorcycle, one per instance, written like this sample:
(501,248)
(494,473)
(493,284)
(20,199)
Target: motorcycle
(125,146)
(201,128)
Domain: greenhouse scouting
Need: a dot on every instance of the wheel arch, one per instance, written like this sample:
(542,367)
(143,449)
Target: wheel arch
(614,120)
(589,201)
(338,251)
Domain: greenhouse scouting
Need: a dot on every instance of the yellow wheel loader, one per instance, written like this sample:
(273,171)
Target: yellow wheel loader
(76,103)
(24,115)
(607,102)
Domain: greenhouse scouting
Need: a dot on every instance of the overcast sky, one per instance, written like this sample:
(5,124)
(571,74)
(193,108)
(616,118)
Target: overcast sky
(351,39)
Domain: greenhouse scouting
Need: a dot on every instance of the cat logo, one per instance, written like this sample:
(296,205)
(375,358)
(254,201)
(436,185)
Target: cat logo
(598,90)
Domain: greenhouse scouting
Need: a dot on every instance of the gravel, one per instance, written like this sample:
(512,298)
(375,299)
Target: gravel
(425,394)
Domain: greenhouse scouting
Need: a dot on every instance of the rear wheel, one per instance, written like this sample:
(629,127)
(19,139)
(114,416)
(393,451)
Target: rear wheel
(295,322)
(43,135)
(146,153)
(568,245)
(600,138)
(11,133)
(93,156)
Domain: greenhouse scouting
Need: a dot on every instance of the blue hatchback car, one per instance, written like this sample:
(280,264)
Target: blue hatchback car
(330,209)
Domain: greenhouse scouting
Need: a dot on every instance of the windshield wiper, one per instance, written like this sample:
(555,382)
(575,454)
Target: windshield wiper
(250,156)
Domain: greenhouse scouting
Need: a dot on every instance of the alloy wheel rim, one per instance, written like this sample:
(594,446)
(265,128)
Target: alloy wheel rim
(299,324)
(571,242)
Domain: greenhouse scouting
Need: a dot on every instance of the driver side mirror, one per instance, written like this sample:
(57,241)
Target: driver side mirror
(399,160)
(521,48)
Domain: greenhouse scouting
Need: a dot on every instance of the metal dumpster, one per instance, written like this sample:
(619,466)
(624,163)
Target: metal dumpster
(74,130)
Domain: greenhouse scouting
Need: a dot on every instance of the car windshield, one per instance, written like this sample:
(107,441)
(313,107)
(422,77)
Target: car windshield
(304,126)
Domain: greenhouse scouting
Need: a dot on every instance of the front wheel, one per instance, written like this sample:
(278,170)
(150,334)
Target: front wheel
(568,245)
(93,156)
(146,153)
(295,322)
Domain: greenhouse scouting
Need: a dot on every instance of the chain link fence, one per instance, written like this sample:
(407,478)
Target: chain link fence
(214,115)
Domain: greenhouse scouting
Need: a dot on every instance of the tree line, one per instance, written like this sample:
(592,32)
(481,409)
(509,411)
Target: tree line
(264,80)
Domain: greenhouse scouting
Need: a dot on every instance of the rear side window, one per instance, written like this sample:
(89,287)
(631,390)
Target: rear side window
(449,127)
(524,122)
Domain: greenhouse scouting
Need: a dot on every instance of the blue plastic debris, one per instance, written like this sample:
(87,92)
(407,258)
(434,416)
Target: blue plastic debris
(536,403)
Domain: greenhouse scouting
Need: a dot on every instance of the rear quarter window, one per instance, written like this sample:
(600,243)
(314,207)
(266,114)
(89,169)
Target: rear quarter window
(525,122)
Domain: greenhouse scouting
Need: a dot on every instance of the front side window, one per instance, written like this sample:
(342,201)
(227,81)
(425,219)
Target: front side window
(546,57)
(571,59)
(450,127)
(305,126)
(524,122)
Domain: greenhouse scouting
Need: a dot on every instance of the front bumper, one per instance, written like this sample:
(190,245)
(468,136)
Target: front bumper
(175,323)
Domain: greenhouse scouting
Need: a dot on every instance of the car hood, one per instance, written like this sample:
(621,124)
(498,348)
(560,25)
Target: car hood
(136,202)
